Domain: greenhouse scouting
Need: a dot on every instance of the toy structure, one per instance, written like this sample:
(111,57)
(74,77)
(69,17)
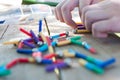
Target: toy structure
(36,45)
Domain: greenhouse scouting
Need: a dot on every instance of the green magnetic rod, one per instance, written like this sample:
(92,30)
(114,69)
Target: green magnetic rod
(37,2)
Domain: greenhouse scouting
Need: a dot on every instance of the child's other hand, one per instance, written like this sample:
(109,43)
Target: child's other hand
(102,18)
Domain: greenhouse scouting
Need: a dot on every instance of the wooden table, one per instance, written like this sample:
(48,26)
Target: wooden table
(106,48)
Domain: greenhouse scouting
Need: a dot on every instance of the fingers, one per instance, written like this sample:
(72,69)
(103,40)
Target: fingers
(89,5)
(93,13)
(63,12)
(58,12)
(84,3)
(101,28)
(93,16)
(87,9)
(100,19)
(67,17)
(96,19)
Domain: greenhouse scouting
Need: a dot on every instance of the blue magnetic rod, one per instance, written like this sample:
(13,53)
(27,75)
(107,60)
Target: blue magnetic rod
(100,63)
(30,51)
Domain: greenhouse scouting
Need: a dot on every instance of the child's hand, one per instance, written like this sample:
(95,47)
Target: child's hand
(63,11)
(102,18)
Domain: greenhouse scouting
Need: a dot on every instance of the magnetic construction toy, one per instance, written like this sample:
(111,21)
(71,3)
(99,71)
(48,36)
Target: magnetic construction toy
(36,45)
